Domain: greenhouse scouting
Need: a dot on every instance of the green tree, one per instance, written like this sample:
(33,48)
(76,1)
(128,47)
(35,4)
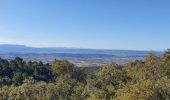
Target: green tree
(61,67)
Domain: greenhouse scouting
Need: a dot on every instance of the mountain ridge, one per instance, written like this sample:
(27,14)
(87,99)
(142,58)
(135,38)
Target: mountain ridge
(10,48)
(78,56)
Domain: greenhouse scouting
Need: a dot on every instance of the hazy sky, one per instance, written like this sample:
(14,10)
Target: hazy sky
(104,24)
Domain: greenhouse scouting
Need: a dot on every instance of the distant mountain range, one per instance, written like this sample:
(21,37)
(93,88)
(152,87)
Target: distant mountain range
(7,48)
(78,56)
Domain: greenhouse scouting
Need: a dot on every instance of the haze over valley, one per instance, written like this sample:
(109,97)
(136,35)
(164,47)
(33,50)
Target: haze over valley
(79,56)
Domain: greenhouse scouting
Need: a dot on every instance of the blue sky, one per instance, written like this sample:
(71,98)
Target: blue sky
(101,24)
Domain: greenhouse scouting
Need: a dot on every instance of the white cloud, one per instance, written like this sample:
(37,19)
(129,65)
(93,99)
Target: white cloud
(7,40)
(4,40)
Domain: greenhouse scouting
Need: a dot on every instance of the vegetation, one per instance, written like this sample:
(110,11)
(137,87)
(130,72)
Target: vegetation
(61,80)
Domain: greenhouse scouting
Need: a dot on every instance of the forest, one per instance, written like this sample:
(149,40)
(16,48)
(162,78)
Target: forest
(147,79)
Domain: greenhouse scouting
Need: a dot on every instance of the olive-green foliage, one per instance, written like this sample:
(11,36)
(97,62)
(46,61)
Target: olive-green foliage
(147,79)
(62,67)
(108,80)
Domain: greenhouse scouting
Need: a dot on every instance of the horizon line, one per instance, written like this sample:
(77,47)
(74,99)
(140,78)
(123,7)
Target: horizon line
(79,47)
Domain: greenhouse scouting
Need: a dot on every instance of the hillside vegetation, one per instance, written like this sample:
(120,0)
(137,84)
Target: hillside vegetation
(139,80)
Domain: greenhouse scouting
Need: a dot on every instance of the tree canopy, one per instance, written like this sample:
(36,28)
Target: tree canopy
(147,79)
